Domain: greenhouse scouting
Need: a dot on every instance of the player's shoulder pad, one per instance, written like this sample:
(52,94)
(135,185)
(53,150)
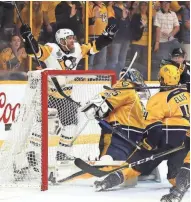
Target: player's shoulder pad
(53,46)
(77,45)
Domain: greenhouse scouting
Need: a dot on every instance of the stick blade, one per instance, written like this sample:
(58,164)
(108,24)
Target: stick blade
(71,177)
(88,168)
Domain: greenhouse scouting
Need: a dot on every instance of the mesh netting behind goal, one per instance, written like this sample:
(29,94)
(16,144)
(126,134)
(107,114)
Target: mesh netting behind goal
(47,121)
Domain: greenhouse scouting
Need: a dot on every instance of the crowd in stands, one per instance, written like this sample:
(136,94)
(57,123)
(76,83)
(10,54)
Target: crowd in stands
(170,29)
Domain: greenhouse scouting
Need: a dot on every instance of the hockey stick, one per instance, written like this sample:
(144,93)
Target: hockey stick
(19,15)
(102,122)
(129,67)
(99,173)
(71,177)
(146,87)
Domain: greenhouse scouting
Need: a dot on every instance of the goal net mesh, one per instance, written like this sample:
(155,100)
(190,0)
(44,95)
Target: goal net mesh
(21,153)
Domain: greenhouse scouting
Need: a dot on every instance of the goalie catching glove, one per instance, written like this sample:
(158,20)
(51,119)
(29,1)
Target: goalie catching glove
(96,108)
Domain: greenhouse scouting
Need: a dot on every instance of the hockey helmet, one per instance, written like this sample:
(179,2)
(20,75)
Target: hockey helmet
(133,76)
(169,75)
(63,34)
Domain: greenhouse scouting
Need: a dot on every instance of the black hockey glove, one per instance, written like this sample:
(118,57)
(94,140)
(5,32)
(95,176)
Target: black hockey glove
(25,31)
(110,31)
(107,36)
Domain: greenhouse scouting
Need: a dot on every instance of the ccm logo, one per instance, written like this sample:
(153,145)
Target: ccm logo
(7,111)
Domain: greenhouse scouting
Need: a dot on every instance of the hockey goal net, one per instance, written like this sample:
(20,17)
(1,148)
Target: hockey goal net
(34,145)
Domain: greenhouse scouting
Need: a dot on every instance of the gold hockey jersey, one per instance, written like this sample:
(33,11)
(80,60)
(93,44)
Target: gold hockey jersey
(127,109)
(171,108)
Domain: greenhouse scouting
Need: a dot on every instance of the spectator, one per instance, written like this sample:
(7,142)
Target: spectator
(178,9)
(139,29)
(69,15)
(186,29)
(97,23)
(156,7)
(12,58)
(13,61)
(49,19)
(127,4)
(167,26)
(117,51)
(134,7)
(177,59)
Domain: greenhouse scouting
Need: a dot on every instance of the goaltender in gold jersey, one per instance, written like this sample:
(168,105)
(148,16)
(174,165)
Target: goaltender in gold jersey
(123,110)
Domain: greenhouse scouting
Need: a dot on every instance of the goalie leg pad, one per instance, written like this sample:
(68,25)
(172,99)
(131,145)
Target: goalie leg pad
(66,139)
(54,125)
(67,134)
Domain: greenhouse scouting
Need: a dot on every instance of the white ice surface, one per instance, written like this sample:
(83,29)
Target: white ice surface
(144,192)
(83,191)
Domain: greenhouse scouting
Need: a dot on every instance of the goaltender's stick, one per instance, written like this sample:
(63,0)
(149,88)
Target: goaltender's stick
(100,173)
(129,67)
(146,87)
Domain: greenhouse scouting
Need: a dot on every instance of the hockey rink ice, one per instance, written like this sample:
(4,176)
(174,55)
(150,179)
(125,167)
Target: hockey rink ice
(83,191)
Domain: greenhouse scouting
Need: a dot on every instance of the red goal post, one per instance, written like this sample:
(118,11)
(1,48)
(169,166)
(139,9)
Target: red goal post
(44,86)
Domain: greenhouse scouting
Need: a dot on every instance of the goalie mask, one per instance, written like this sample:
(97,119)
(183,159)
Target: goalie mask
(135,77)
(64,34)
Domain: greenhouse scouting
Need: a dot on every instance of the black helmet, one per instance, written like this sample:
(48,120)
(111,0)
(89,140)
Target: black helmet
(178,52)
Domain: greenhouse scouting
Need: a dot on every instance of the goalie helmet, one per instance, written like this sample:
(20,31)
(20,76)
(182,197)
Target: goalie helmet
(169,75)
(63,34)
(135,77)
